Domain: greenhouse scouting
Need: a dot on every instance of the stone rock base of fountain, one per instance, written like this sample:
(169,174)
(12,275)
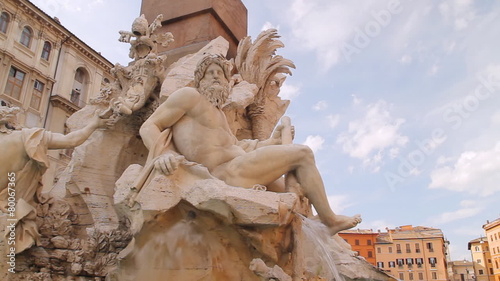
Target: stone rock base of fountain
(190,226)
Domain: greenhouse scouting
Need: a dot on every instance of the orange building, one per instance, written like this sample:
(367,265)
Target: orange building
(413,253)
(492,230)
(361,241)
(481,258)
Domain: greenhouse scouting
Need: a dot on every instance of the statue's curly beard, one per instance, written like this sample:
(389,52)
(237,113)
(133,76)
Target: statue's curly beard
(217,94)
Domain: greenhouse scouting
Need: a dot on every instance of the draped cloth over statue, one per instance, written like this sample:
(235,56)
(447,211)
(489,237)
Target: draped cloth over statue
(28,187)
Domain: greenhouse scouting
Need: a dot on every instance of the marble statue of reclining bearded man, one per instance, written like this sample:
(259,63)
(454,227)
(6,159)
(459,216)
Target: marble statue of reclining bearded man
(23,161)
(200,132)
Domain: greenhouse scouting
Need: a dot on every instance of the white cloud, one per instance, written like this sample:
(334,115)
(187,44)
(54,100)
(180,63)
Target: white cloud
(406,59)
(469,209)
(369,137)
(315,142)
(495,119)
(344,19)
(356,100)
(333,120)
(269,25)
(458,13)
(475,172)
(289,92)
(320,105)
(434,69)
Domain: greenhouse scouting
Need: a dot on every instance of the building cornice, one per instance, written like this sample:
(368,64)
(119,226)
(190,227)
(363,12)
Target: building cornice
(490,225)
(47,21)
(64,104)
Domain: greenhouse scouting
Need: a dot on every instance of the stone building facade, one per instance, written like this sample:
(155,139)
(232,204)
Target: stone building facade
(362,241)
(461,271)
(492,230)
(481,258)
(46,71)
(413,253)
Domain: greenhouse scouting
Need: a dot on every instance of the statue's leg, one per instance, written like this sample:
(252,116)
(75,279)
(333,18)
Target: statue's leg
(267,164)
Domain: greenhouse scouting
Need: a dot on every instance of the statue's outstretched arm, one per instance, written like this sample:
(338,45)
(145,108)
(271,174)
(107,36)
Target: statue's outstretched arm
(73,139)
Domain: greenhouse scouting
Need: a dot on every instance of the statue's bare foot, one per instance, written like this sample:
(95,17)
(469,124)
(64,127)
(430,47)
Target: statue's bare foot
(340,223)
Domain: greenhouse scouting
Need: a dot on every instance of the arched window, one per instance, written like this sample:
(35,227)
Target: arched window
(79,84)
(26,36)
(4,22)
(47,47)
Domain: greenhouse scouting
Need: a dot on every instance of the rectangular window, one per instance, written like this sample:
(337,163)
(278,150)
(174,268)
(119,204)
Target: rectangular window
(36,97)
(15,83)
(370,254)
(434,275)
(429,247)
(409,261)
(380,264)
(356,242)
(390,250)
(400,262)
(401,276)
(410,276)
(433,261)
(408,249)
(420,276)
(481,272)
(479,261)
(47,47)
(417,248)
(392,264)
(369,242)
(398,248)
(4,22)
(419,261)
(379,250)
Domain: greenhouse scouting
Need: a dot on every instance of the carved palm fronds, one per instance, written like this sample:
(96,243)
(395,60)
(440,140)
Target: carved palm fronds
(257,62)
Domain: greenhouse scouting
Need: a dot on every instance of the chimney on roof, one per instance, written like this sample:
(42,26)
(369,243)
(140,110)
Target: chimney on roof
(56,19)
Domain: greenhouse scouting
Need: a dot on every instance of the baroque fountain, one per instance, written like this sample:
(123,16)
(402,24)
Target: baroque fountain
(188,172)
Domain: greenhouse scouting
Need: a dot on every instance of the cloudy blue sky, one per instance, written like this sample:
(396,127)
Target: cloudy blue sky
(399,99)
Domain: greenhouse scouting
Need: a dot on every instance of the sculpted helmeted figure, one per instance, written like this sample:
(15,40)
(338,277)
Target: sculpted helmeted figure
(23,156)
(200,132)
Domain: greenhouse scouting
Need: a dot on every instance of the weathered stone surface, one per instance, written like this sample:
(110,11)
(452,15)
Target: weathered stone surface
(232,204)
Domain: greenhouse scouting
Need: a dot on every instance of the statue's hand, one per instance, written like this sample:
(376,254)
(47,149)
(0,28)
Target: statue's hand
(276,136)
(280,131)
(99,121)
(167,163)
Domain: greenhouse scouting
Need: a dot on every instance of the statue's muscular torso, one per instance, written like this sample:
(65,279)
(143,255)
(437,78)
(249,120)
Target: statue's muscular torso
(202,134)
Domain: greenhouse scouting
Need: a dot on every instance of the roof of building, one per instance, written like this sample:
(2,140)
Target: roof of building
(54,21)
(461,263)
(492,224)
(409,232)
(477,240)
(358,231)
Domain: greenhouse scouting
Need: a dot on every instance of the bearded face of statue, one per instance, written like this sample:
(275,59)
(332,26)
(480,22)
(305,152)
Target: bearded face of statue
(214,85)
